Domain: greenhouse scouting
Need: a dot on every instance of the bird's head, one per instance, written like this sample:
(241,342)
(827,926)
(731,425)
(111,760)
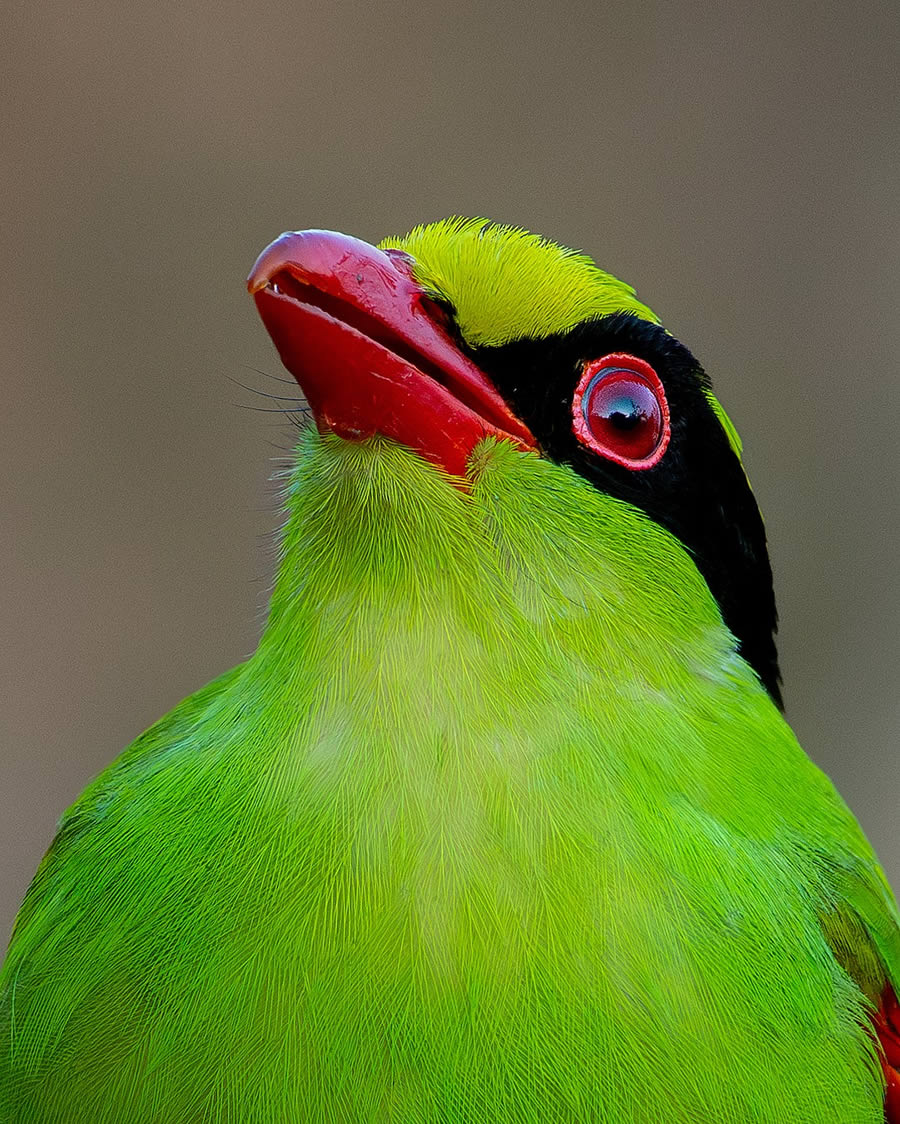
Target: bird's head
(465,330)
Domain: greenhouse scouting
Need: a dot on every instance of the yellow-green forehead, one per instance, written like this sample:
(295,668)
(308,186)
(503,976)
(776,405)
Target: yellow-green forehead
(508,284)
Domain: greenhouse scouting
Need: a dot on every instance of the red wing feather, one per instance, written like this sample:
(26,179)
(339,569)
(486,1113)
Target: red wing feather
(887,1028)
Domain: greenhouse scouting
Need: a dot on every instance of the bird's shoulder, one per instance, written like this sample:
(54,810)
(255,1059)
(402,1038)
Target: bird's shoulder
(116,786)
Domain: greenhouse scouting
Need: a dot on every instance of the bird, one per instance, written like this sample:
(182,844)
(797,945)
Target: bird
(503,820)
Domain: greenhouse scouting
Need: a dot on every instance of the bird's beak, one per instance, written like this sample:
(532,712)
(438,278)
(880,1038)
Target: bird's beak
(371,351)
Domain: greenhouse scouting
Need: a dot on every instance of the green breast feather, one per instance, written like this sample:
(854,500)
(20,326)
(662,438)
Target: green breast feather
(496,825)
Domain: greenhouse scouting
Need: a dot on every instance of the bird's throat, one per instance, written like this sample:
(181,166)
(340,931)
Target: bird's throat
(416,608)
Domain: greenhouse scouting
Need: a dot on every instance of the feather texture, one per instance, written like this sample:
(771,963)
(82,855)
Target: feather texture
(494,826)
(505,283)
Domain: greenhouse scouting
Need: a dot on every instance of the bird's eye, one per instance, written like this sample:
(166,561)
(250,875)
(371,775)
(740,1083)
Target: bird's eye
(620,411)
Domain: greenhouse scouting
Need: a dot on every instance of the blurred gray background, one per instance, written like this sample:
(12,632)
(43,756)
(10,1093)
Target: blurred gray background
(738,164)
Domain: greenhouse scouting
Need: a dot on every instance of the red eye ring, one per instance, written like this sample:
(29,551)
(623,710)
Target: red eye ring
(638,438)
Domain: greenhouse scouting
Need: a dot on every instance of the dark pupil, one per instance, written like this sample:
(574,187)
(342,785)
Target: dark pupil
(624,413)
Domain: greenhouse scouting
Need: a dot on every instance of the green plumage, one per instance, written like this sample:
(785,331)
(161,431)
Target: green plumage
(494,826)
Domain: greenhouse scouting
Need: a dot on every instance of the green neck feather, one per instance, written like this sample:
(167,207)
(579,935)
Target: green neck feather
(382,551)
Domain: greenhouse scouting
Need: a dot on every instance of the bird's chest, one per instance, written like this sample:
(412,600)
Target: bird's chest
(511,914)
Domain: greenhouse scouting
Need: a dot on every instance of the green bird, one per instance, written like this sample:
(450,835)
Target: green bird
(502,822)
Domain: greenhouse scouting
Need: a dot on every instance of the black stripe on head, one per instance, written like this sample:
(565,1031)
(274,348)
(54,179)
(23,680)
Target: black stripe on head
(698,490)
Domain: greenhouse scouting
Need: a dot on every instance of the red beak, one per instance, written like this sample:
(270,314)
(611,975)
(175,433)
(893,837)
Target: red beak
(370,349)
